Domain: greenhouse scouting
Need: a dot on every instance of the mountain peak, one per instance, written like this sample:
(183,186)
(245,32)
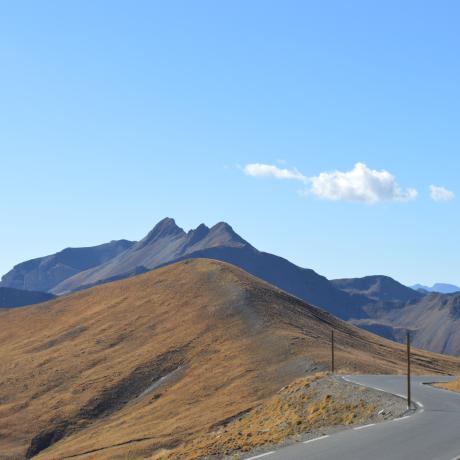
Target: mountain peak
(202,228)
(222,233)
(194,236)
(223,227)
(164,228)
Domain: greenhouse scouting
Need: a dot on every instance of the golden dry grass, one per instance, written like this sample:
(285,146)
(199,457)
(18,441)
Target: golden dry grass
(452,386)
(75,368)
(296,409)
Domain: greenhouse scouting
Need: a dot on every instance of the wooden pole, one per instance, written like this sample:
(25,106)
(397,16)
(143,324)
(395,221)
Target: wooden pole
(332,352)
(409,398)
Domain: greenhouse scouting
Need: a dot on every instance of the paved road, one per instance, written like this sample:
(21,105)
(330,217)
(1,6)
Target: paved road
(431,433)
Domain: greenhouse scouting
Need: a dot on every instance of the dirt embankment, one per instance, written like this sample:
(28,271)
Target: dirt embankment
(309,407)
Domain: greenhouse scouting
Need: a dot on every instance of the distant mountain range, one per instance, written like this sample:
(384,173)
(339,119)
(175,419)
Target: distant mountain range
(377,303)
(167,243)
(12,298)
(441,288)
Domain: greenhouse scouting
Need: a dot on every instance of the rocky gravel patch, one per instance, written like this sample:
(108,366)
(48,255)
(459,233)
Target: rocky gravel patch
(370,406)
(306,409)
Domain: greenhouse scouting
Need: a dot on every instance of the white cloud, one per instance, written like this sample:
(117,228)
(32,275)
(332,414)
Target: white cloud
(441,193)
(361,184)
(262,170)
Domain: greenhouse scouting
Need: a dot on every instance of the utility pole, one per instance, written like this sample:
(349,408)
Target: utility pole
(409,401)
(332,352)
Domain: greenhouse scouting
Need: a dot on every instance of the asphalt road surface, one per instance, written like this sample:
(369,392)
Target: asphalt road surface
(432,432)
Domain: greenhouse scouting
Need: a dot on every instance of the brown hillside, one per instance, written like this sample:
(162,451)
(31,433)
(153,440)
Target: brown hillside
(78,374)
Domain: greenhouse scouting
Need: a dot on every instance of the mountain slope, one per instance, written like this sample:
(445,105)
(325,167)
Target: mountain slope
(153,361)
(10,298)
(301,282)
(44,273)
(435,320)
(378,288)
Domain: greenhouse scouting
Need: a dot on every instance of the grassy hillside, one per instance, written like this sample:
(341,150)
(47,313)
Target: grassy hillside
(157,360)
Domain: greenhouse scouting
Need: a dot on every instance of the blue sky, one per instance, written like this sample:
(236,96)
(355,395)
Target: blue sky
(114,115)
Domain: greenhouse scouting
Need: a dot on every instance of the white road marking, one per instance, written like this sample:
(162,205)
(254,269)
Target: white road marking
(456,458)
(261,455)
(420,404)
(365,426)
(401,418)
(316,439)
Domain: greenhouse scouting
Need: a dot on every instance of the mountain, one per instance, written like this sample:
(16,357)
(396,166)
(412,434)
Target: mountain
(164,244)
(167,243)
(44,273)
(376,303)
(11,298)
(378,288)
(441,288)
(126,369)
